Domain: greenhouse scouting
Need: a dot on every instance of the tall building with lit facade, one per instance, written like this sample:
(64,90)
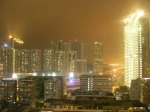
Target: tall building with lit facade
(71,62)
(68,57)
(60,62)
(48,61)
(136,47)
(35,60)
(59,45)
(6,58)
(98,57)
(81,49)
(17,61)
(25,61)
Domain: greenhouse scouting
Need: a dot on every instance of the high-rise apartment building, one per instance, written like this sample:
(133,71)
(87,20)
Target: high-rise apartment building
(25,61)
(136,47)
(72,62)
(16,63)
(6,58)
(81,49)
(48,61)
(68,57)
(98,57)
(61,62)
(59,46)
(35,60)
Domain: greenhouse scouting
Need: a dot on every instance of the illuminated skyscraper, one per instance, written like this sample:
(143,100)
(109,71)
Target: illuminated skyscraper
(35,60)
(136,47)
(98,57)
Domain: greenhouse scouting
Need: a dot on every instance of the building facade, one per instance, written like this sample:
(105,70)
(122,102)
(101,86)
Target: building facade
(136,47)
(35,60)
(6,58)
(81,49)
(48,61)
(8,90)
(96,82)
(53,89)
(33,88)
(25,61)
(98,57)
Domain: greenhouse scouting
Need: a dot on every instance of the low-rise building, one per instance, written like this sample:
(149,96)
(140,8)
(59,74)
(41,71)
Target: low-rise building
(8,90)
(38,88)
(96,82)
(53,89)
(26,91)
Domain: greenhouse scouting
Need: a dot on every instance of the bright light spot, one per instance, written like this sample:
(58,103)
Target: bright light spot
(140,13)
(53,74)
(14,76)
(49,74)
(34,74)
(5,45)
(114,70)
(114,75)
(43,74)
(90,72)
(125,20)
(10,36)
(71,74)
(71,81)
(101,73)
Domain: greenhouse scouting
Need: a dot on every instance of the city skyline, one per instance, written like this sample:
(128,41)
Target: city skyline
(74,55)
(44,21)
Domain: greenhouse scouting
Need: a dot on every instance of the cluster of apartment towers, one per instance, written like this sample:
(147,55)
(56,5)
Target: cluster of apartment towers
(61,59)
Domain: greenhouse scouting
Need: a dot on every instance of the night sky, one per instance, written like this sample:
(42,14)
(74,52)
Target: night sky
(38,22)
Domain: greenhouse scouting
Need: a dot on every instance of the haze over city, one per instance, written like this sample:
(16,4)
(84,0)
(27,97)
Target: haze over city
(74,55)
(37,22)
